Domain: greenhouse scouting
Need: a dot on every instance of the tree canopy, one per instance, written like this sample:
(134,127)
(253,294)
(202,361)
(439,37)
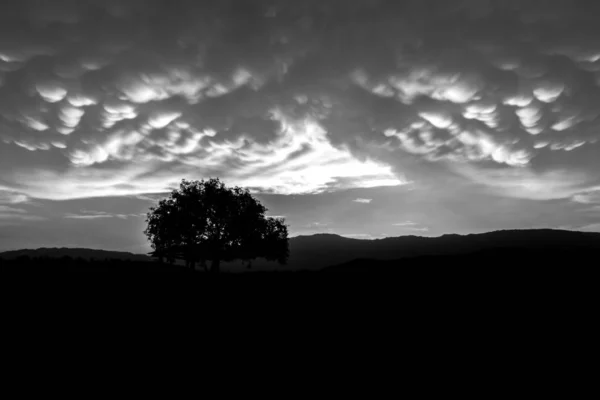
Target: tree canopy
(205,220)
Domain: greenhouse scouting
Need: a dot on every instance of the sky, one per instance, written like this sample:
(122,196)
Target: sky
(361,118)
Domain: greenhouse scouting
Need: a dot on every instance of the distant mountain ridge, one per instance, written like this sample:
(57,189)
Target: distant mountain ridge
(87,254)
(323,250)
(327,250)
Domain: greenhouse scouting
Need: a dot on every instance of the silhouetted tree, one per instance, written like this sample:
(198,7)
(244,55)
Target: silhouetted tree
(205,220)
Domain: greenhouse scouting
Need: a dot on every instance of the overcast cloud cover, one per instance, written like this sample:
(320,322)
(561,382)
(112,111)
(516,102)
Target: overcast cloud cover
(361,117)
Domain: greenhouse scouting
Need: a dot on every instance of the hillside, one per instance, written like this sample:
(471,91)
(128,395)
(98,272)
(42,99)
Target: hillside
(318,251)
(86,254)
(322,250)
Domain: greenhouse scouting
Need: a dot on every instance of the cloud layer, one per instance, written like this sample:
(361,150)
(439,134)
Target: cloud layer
(103,98)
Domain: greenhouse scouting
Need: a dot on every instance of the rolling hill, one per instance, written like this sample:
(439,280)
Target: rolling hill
(86,254)
(319,251)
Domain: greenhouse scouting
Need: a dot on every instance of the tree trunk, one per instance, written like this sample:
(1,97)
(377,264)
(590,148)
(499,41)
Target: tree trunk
(215,267)
(203,265)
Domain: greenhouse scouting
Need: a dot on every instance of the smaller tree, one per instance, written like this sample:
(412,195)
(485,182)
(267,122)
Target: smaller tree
(205,220)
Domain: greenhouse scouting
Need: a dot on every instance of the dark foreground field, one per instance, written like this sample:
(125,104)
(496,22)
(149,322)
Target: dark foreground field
(481,262)
(484,282)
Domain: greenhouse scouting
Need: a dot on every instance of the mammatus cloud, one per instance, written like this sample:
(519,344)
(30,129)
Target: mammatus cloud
(118,98)
(300,160)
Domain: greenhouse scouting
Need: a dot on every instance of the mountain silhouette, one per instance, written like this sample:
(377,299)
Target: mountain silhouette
(334,253)
(322,250)
(82,253)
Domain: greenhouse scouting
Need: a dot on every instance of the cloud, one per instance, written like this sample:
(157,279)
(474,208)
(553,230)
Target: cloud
(590,228)
(11,197)
(126,99)
(405,223)
(316,224)
(12,215)
(300,160)
(90,215)
(366,236)
(364,201)
(411,226)
(528,184)
(7,210)
(153,198)
(11,211)
(17,220)
(591,196)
